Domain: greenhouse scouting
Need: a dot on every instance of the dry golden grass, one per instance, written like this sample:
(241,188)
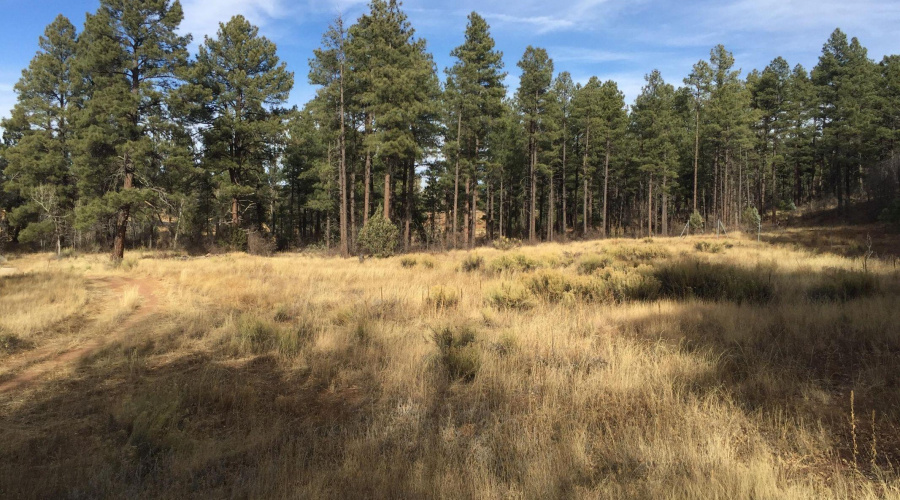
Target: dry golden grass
(660,368)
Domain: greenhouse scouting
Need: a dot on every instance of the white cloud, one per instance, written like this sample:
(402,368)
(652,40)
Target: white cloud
(587,55)
(579,15)
(202,17)
(7,99)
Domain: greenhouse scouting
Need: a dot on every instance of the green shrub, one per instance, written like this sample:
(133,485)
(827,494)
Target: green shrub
(705,281)
(472,263)
(842,285)
(705,246)
(590,263)
(379,236)
(696,221)
(639,253)
(750,219)
(408,262)
(11,343)
(442,297)
(428,263)
(504,243)
(510,296)
(513,263)
(891,214)
(458,352)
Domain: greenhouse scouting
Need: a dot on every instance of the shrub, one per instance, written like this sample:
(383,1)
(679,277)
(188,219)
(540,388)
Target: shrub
(510,296)
(639,253)
(705,246)
(408,262)
(459,355)
(696,221)
(428,263)
(590,263)
(11,343)
(504,243)
(891,214)
(442,297)
(842,285)
(513,263)
(750,219)
(705,281)
(472,263)
(554,286)
(260,244)
(379,236)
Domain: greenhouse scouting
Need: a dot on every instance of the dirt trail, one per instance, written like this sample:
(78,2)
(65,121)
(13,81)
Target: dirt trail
(47,360)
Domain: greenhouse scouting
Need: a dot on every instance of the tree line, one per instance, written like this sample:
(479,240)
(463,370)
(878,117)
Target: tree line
(120,137)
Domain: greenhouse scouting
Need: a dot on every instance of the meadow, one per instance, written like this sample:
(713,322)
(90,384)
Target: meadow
(696,367)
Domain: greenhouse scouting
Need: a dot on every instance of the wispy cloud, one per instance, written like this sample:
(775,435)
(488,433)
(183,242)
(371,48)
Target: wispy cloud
(588,55)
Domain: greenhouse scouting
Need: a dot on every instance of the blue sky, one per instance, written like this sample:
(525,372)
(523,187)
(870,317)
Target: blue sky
(620,40)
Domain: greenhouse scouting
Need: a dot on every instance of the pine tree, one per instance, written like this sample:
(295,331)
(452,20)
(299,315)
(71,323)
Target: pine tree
(655,123)
(699,82)
(129,54)
(612,123)
(39,156)
(327,69)
(475,90)
(244,82)
(533,98)
(564,90)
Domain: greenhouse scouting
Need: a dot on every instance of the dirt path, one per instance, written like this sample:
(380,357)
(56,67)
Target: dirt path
(48,359)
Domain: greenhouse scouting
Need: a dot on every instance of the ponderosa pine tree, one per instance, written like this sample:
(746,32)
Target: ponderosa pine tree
(327,70)
(533,98)
(396,87)
(39,156)
(612,122)
(564,90)
(845,84)
(243,83)
(699,82)
(654,123)
(475,90)
(587,108)
(129,54)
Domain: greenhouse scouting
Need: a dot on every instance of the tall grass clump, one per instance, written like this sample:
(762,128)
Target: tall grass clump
(706,281)
(472,263)
(513,264)
(590,263)
(841,285)
(442,297)
(458,352)
(512,296)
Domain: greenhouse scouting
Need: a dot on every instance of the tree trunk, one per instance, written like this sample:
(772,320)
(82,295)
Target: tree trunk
(606,183)
(696,153)
(532,234)
(587,145)
(387,190)
(118,252)
(345,244)
(367,192)
(650,206)
(456,179)
(407,223)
